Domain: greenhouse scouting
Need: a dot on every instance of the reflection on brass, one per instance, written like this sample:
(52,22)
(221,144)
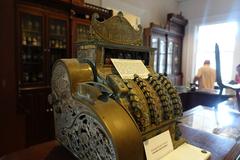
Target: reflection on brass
(99,115)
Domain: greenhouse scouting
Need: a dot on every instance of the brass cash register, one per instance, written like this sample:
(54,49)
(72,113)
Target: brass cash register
(98,114)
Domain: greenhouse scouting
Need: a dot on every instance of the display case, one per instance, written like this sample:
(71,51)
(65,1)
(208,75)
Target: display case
(42,39)
(57,39)
(31,49)
(167,42)
(80,23)
(45,32)
(41,43)
(159,43)
(174,56)
(80,32)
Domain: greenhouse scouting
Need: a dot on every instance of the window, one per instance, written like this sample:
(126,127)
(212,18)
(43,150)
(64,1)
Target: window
(224,34)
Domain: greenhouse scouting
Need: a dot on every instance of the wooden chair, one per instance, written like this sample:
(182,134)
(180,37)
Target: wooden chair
(235,87)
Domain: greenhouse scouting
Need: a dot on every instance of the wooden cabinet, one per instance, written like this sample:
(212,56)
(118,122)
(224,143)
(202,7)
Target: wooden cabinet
(57,40)
(46,31)
(42,39)
(31,55)
(168,48)
(76,2)
(157,39)
(38,114)
(174,58)
(79,32)
(80,23)
(66,1)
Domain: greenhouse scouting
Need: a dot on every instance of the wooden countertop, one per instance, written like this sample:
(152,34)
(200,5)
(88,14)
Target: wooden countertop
(221,148)
(51,150)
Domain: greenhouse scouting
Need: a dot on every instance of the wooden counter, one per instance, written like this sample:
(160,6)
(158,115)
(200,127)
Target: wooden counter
(221,148)
(210,98)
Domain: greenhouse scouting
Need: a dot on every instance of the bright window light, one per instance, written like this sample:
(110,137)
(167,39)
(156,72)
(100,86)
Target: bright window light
(224,34)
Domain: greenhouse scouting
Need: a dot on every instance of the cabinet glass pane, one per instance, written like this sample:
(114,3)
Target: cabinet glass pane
(162,63)
(57,32)
(169,64)
(170,47)
(31,50)
(82,32)
(170,58)
(162,47)
(176,59)
(162,56)
(155,45)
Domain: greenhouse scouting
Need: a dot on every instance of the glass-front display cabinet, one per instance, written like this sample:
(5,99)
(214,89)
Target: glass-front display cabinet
(57,40)
(41,43)
(80,32)
(43,35)
(175,58)
(159,43)
(168,49)
(42,38)
(31,50)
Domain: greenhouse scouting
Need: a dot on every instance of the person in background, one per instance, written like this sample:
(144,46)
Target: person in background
(206,76)
(237,76)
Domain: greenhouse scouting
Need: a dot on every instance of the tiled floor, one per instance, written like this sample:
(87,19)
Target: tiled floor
(224,121)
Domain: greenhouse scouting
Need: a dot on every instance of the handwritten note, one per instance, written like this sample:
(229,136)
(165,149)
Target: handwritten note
(128,67)
(158,146)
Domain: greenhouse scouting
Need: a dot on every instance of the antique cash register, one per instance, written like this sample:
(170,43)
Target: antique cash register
(99,113)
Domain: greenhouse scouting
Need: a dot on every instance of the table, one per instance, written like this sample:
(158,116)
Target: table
(191,99)
(218,128)
(221,148)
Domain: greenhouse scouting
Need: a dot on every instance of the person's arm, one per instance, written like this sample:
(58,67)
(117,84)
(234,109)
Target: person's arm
(196,78)
(237,78)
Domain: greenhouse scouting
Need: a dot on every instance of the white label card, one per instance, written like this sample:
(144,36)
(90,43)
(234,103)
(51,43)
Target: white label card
(158,146)
(128,67)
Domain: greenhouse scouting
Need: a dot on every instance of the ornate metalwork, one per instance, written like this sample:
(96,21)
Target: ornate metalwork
(87,138)
(138,105)
(175,99)
(153,101)
(116,30)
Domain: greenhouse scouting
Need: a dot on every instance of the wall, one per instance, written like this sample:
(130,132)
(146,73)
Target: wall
(11,123)
(205,12)
(148,10)
(195,9)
